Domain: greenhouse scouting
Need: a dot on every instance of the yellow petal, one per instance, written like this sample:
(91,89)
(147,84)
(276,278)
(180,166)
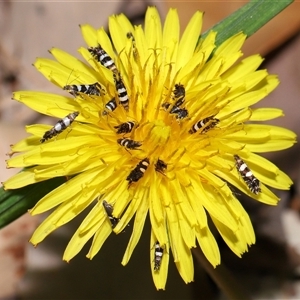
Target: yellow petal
(63,193)
(50,69)
(231,45)
(234,241)
(213,204)
(276,132)
(249,81)
(153,29)
(27,143)
(234,178)
(138,226)
(265,114)
(187,232)
(141,44)
(185,264)
(245,67)
(97,215)
(77,242)
(154,199)
(44,102)
(24,178)
(119,26)
(62,215)
(270,146)
(160,276)
(89,34)
(267,172)
(104,40)
(208,246)
(99,238)
(189,40)
(170,36)
(72,63)
(207,45)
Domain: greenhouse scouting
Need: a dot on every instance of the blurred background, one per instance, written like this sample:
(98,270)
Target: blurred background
(270,270)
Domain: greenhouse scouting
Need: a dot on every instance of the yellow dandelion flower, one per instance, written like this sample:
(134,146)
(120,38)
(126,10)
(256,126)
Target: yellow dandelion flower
(155,124)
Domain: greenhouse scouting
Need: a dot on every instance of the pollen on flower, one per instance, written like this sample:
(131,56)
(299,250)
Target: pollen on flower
(156,125)
(159,134)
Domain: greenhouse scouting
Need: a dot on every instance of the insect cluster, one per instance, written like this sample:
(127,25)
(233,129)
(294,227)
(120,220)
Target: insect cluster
(179,98)
(124,128)
(174,108)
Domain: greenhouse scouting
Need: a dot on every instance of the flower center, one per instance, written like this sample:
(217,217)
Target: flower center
(157,137)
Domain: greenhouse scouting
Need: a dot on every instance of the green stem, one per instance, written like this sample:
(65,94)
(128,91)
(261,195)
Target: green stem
(231,288)
(15,203)
(249,18)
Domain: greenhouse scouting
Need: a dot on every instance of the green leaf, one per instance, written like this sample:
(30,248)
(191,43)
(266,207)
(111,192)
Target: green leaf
(248,19)
(14,203)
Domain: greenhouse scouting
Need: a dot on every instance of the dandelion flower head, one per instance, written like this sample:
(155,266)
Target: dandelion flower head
(154,125)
